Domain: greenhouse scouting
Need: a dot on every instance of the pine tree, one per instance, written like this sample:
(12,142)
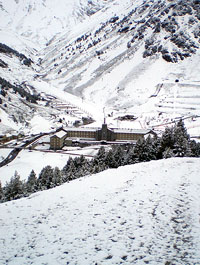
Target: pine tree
(151,149)
(168,153)
(181,129)
(182,147)
(45,179)
(101,155)
(1,192)
(130,157)
(109,160)
(118,155)
(99,162)
(167,140)
(31,184)
(66,169)
(181,140)
(195,148)
(83,168)
(175,141)
(139,152)
(14,189)
(156,141)
(69,170)
(57,178)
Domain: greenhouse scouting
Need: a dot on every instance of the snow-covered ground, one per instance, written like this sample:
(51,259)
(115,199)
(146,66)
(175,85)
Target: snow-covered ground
(40,21)
(28,160)
(4,153)
(37,160)
(146,213)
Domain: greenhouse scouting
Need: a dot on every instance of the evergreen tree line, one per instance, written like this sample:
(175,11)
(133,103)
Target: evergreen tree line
(174,142)
(6,49)
(5,85)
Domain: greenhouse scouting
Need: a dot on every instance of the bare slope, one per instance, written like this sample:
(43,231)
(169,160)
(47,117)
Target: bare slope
(147,213)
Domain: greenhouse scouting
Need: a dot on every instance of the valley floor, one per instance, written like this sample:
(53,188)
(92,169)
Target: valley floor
(147,213)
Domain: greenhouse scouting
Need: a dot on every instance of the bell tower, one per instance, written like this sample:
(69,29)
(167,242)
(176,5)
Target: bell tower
(104,132)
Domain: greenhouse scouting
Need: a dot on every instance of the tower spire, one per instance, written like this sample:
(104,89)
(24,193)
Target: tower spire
(104,121)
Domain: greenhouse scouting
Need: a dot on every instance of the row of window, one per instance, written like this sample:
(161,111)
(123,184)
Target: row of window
(87,134)
(128,136)
(82,134)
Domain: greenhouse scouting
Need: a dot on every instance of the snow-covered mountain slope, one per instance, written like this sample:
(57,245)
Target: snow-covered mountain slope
(26,27)
(121,56)
(24,107)
(42,20)
(122,60)
(146,213)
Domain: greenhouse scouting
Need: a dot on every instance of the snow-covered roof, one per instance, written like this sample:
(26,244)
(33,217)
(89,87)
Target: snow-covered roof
(60,134)
(116,130)
(81,129)
(81,139)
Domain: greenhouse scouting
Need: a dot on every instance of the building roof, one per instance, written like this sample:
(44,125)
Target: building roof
(60,134)
(115,130)
(80,139)
(81,129)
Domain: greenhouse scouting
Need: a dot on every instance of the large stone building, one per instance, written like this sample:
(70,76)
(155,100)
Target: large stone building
(57,141)
(105,134)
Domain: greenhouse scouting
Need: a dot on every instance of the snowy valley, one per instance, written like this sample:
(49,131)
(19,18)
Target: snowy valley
(133,64)
(122,56)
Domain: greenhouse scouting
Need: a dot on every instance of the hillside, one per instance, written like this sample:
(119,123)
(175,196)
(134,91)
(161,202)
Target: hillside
(146,213)
(40,21)
(120,56)
(128,62)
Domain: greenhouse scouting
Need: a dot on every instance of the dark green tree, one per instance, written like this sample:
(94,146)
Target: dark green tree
(69,170)
(130,157)
(140,152)
(57,177)
(167,140)
(118,155)
(181,140)
(14,189)
(99,161)
(110,160)
(1,192)
(195,148)
(31,184)
(45,179)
